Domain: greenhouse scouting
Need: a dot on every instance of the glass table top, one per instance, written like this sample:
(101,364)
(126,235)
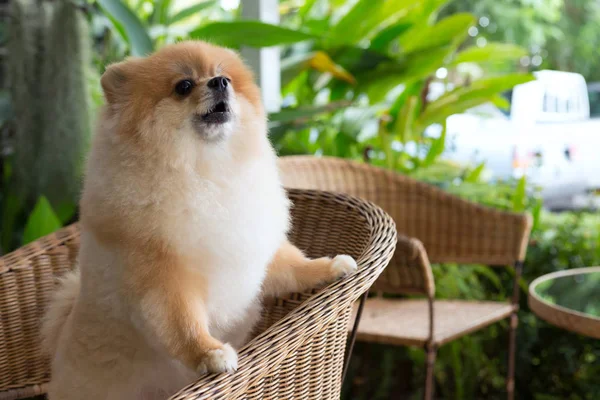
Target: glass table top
(578,291)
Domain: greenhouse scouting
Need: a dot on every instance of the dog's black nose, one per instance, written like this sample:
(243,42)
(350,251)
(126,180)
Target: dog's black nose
(219,83)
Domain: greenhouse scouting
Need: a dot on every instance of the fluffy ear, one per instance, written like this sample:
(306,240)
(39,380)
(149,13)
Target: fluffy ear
(114,81)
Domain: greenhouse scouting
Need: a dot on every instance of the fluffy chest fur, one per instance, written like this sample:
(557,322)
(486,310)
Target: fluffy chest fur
(226,219)
(233,239)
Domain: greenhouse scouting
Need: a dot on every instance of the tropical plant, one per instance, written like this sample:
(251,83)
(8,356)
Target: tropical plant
(356,83)
(355,80)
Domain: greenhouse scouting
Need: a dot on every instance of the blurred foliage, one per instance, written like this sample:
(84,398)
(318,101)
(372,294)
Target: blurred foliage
(364,82)
(559,34)
(577,48)
(526,22)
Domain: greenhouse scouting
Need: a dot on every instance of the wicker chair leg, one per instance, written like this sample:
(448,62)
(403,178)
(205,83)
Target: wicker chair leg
(361,305)
(512,347)
(430,369)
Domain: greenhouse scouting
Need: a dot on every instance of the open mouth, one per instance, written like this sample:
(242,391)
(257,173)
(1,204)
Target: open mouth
(218,114)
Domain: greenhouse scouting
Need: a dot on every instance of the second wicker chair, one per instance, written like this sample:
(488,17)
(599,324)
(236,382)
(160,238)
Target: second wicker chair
(432,225)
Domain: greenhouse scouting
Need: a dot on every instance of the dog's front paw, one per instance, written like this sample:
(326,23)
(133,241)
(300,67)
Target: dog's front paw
(342,265)
(215,361)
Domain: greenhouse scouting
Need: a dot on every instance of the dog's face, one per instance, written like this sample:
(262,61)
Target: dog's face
(189,90)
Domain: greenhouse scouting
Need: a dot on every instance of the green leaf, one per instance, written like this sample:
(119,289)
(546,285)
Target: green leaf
(500,102)
(297,114)
(189,11)
(137,36)
(342,145)
(436,149)
(249,33)
(385,141)
(121,34)
(65,211)
(465,97)
(297,119)
(519,196)
(404,125)
(492,52)
(473,176)
(161,12)
(304,11)
(379,82)
(42,221)
(384,38)
(412,89)
(366,16)
(293,65)
(321,61)
(358,60)
(293,115)
(536,213)
(450,30)
(430,8)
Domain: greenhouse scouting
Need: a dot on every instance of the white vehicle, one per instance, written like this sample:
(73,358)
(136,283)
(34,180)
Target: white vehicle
(548,136)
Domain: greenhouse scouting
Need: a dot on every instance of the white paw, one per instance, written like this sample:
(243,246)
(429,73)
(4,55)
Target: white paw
(343,265)
(220,360)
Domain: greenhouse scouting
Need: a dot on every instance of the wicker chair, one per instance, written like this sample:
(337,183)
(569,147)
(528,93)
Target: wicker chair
(298,350)
(448,229)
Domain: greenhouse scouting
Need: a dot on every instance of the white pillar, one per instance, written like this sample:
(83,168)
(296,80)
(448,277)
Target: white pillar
(264,61)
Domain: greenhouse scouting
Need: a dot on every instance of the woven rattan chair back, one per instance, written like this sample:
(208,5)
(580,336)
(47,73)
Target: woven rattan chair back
(450,228)
(299,348)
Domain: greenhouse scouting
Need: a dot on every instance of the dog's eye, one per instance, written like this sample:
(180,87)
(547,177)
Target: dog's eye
(184,87)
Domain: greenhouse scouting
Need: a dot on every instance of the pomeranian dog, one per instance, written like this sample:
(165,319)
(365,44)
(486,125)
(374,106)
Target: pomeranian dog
(184,224)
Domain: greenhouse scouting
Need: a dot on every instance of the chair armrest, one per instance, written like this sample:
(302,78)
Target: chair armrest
(409,271)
